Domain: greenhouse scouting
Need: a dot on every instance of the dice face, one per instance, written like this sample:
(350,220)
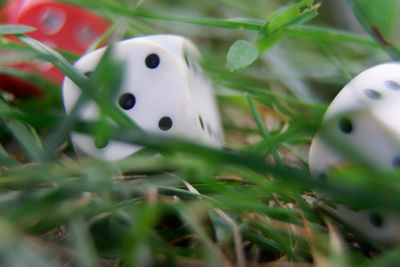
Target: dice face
(59,25)
(363,118)
(377,225)
(163,90)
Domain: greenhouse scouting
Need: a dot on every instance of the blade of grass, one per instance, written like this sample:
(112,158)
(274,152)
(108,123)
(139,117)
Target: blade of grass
(88,87)
(329,35)
(282,239)
(25,134)
(82,243)
(78,78)
(28,138)
(212,254)
(15,29)
(6,160)
(236,23)
(263,130)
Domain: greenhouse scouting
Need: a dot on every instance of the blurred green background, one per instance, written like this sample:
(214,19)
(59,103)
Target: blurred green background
(251,204)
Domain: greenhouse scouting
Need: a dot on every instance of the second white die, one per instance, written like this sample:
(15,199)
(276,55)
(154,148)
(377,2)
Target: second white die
(363,121)
(163,90)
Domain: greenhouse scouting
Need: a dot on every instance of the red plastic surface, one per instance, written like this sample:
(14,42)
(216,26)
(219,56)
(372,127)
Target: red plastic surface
(59,25)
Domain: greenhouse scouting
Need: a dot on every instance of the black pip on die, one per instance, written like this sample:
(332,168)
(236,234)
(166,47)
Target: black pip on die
(163,90)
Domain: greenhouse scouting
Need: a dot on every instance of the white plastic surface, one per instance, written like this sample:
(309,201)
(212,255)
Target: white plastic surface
(371,103)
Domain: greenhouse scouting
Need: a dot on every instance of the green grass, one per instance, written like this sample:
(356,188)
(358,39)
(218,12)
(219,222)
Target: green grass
(251,203)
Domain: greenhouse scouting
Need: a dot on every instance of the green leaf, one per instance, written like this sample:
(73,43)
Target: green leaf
(14,29)
(376,17)
(240,55)
(290,15)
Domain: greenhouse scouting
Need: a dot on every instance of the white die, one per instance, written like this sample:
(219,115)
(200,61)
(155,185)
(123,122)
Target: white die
(364,118)
(163,90)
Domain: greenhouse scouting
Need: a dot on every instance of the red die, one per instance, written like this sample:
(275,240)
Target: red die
(59,25)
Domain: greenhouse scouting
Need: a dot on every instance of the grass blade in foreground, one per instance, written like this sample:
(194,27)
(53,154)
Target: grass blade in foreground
(15,29)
